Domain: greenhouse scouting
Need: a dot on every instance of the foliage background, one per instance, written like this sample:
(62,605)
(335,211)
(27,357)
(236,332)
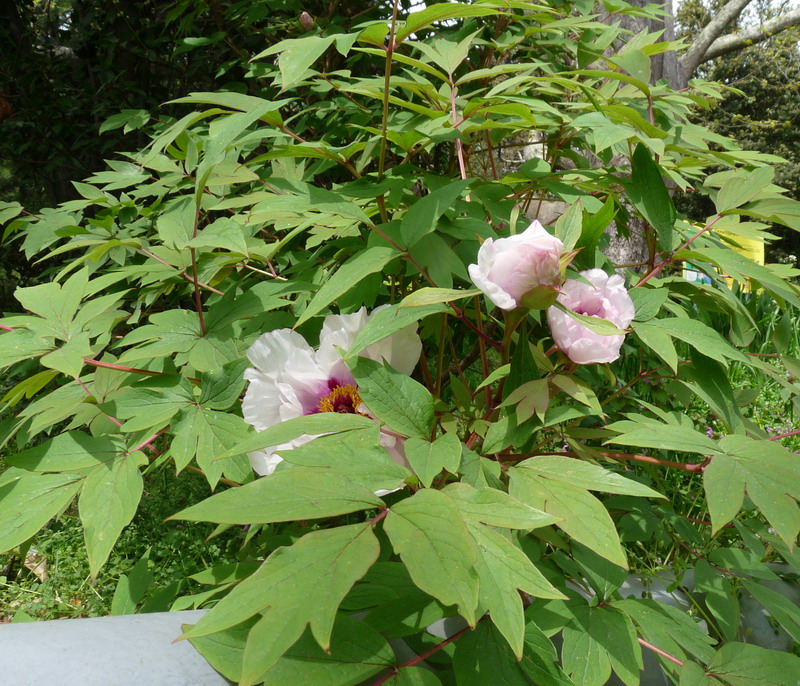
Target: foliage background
(239,214)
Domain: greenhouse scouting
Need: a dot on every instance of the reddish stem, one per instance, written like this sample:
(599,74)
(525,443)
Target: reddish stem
(660,652)
(657,269)
(121,368)
(456,123)
(375,520)
(685,466)
(423,657)
(183,275)
(786,435)
(146,443)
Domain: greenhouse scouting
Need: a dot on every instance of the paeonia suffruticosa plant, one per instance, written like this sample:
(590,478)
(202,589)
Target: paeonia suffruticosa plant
(413,401)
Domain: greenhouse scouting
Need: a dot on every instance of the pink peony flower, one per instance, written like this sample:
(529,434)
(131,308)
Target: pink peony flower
(604,297)
(290,379)
(520,271)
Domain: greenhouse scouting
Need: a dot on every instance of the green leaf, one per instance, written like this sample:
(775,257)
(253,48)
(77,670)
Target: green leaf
(356,652)
(659,341)
(485,652)
(56,303)
(693,674)
(286,495)
(413,676)
(19,345)
(425,297)
(504,570)
(569,225)
(707,379)
(647,302)
(766,471)
(68,358)
(430,536)
(359,266)
(404,404)
(154,405)
(786,614)
(597,640)
(440,12)
(224,233)
(312,424)
(576,388)
(108,501)
(389,320)
(540,660)
(654,434)
(423,216)
(429,459)
(129,119)
(700,336)
(9,210)
(224,650)
(235,101)
(479,471)
(595,226)
(496,508)
(170,332)
(176,224)
(650,196)
(743,664)
(355,455)
(296,586)
(585,475)
(132,587)
(582,515)
(296,55)
(743,186)
(67,452)
(396,606)
(28,503)
(202,434)
(668,628)
(604,577)
(720,598)
(496,375)
(221,388)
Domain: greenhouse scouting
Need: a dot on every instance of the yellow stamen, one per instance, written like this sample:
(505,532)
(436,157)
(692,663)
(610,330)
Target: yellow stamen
(341,399)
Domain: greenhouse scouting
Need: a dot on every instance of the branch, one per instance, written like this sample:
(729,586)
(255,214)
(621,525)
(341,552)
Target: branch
(737,41)
(696,54)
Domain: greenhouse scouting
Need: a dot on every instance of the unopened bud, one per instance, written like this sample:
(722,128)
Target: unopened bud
(306,21)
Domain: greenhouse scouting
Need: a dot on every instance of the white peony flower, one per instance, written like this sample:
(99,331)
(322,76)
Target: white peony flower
(520,271)
(605,297)
(290,379)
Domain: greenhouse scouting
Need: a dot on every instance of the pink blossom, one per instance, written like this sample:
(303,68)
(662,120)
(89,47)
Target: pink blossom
(520,271)
(603,296)
(290,379)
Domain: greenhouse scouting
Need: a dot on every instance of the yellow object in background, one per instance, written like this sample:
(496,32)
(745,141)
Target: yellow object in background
(751,248)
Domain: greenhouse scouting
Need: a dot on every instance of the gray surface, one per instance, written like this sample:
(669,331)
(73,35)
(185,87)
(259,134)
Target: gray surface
(129,650)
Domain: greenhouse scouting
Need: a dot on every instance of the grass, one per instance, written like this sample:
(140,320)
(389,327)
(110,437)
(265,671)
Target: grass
(173,550)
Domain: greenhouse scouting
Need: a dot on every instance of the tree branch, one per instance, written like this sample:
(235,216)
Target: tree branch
(696,54)
(737,41)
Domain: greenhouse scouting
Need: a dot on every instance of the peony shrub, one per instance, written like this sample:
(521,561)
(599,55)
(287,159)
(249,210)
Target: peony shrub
(437,437)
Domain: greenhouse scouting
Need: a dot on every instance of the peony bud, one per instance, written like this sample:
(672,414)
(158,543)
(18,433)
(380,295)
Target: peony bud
(604,297)
(524,270)
(306,21)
